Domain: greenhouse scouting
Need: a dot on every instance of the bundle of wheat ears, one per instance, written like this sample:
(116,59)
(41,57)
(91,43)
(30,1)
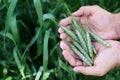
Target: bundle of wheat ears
(81,43)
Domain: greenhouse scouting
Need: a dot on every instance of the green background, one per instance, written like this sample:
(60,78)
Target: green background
(29,39)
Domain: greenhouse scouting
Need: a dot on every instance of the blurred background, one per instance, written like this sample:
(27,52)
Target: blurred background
(29,39)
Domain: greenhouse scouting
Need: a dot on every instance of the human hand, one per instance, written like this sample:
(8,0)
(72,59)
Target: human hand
(100,21)
(106,59)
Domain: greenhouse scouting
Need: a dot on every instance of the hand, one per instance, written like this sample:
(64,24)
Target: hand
(101,22)
(106,59)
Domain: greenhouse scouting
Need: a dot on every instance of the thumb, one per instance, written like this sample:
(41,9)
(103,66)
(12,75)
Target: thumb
(89,70)
(83,11)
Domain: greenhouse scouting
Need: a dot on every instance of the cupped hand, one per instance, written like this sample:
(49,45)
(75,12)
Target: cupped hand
(100,21)
(106,59)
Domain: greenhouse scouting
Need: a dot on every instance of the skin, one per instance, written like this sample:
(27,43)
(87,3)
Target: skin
(98,20)
(107,59)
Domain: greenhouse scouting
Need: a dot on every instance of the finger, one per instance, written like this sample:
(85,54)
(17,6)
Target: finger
(73,54)
(89,70)
(63,35)
(85,64)
(60,30)
(65,22)
(78,13)
(68,39)
(69,27)
(98,47)
(64,46)
(71,60)
(83,20)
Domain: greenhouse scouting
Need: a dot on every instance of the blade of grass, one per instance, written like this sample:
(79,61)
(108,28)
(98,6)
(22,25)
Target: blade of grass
(9,15)
(2,7)
(14,29)
(33,40)
(45,75)
(54,48)
(6,3)
(10,36)
(38,8)
(39,73)
(67,10)
(39,45)
(48,16)
(9,78)
(5,72)
(23,25)
(102,3)
(116,10)
(20,67)
(58,7)
(82,2)
(10,11)
(45,49)
(65,67)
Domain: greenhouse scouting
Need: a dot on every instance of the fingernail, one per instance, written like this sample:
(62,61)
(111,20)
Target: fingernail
(75,69)
(78,63)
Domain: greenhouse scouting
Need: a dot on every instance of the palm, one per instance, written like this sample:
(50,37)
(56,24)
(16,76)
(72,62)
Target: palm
(106,59)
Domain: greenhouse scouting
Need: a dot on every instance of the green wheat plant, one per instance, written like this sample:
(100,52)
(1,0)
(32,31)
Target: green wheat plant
(29,39)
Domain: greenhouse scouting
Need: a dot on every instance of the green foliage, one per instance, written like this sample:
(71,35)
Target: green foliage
(29,39)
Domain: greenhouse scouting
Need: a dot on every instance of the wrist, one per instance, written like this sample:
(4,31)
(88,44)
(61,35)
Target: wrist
(117,23)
